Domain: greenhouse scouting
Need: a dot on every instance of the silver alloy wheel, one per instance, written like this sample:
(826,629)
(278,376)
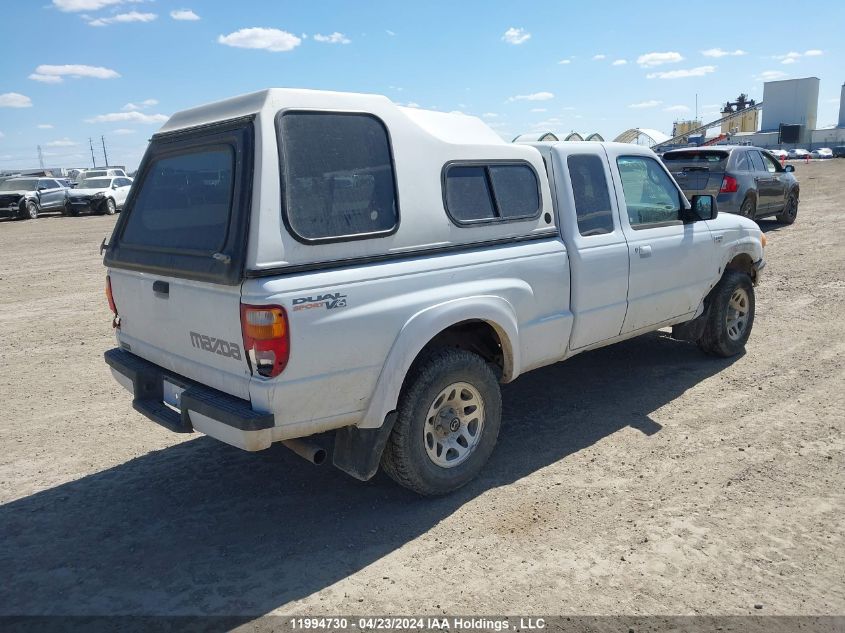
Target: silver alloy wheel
(453,425)
(737,317)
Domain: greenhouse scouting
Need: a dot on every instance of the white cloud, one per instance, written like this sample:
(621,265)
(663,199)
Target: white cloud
(45,126)
(123,131)
(2,135)
(412,104)
(599,57)
(334,38)
(135,117)
(619,62)
(718,52)
(565,61)
(72,6)
(14,100)
(132,16)
(389,32)
(273,40)
(62,142)
(490,115)
(516,36)
(771,75)
(47,73)
(676,108)
(652,103)
(793,56)
(539,109)
(698,71)
(657,59)
(184,14)
(813,53)
(146,103)
(536,96)
(789,60)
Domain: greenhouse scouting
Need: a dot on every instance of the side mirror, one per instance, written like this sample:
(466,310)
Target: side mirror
(789,168)
(704,207)
(114,186)
(41,188)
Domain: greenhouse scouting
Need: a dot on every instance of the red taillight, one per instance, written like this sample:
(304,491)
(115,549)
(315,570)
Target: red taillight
(729,185)
(266,338)
(110,296)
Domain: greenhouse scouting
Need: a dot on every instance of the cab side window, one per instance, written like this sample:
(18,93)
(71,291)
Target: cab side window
(769,163)
(592,200)
(650,195)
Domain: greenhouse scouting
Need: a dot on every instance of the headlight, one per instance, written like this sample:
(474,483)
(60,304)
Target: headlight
(99,194)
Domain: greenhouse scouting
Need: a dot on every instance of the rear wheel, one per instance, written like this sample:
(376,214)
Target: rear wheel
(748,208)
(790,210)
(730,317)
(447,423)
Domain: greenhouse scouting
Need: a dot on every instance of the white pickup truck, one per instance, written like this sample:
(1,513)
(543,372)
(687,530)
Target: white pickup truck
(291,262)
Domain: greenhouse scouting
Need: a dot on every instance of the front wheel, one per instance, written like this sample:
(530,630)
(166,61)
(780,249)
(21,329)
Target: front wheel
(447,423)
(30,211)
(109,208)
(730,317)
(790,210)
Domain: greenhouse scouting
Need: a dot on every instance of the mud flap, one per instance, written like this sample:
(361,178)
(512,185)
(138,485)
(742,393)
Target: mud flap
(692,330)
(357,452)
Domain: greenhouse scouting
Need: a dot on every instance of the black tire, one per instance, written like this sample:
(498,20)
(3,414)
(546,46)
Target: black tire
(30,210)
(718,337)
(405,458)
(109,207)
(748,209)
(790,210)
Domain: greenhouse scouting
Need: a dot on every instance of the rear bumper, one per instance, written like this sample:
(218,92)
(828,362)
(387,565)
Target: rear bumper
(223,417)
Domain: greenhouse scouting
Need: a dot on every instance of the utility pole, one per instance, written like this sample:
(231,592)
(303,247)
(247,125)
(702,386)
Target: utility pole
(106,156)
(91,145)
(40,157)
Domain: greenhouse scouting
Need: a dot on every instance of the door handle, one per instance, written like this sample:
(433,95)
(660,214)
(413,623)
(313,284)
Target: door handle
(644,251)
(161,287)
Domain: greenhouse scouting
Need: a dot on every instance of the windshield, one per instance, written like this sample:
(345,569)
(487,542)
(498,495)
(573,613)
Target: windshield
(95,183)
(18,185)
(704,157)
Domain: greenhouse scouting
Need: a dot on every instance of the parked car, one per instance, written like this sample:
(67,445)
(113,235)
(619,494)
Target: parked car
(746,180)
(798,153)
(839,151)
(779,153)
(111,172)
(822,153)
(99,195)
(24,198)
(293,262)
(67,183)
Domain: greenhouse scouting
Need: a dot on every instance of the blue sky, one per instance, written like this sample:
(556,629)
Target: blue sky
(74,69)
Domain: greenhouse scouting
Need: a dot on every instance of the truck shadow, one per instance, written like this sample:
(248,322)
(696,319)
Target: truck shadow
(202,528)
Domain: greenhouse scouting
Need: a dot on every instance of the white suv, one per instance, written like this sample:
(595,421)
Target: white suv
(100,194)
(292,262)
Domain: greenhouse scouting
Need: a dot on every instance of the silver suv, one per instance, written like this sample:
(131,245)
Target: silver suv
(748,181)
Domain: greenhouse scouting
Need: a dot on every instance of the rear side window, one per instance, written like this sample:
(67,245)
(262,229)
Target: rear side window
(184,202)
(338,179)
(756,160)
(491,192)
(592,200)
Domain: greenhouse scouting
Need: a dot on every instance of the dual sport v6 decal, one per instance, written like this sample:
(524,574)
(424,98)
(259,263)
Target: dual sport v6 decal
(330,301)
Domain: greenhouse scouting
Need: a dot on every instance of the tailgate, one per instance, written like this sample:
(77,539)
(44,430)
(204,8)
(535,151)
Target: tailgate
(191,328)
(176,255)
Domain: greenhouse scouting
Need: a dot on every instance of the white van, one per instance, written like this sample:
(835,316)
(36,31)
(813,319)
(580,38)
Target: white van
(292,262)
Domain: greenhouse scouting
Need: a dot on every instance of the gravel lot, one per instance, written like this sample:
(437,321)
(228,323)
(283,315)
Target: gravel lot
(643,478)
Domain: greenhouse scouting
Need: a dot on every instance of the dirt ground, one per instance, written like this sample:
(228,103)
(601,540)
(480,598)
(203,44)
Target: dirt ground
(644,478)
